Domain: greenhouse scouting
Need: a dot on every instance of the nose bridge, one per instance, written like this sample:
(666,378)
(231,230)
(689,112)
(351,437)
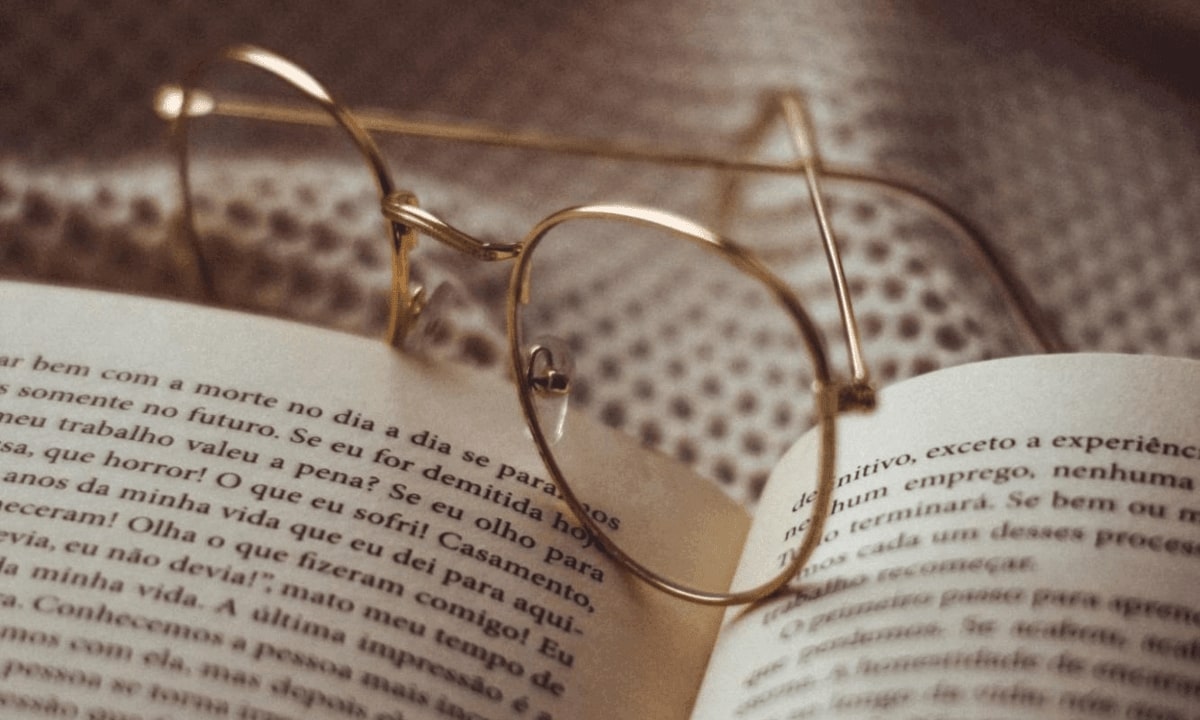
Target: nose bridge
(400,207)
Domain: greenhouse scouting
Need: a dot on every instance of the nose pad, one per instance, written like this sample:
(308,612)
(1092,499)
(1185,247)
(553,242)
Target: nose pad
(433,310)
(549,373)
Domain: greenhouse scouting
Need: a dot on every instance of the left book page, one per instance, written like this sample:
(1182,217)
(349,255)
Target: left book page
(207,514)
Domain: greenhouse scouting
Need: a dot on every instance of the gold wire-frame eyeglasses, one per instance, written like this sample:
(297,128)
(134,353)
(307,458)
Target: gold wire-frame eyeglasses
(539,374)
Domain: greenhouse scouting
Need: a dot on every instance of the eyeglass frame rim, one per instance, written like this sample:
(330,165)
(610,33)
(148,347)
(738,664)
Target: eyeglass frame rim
(404,302)
(405,218)
(827,394)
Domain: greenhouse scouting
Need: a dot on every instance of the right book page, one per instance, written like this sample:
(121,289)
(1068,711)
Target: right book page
(1016,538)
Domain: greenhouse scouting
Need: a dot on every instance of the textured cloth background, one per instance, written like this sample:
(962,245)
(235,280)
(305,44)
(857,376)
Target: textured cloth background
(1084,170)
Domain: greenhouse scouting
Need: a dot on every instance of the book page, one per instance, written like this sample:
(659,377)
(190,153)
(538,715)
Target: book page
(1010,539)
(206,514)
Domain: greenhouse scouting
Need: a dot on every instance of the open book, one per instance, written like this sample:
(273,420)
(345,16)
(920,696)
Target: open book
(207,514)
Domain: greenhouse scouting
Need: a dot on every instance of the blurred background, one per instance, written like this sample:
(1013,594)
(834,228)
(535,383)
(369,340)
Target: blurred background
(1066,131)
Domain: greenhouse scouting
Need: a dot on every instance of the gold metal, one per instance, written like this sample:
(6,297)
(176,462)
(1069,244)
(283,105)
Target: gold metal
(802,136)
(1033,322)
(825,389)
(402,208)
(178,105)
(536,373)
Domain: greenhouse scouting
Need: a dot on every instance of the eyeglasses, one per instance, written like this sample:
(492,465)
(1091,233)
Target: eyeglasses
(625,241)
